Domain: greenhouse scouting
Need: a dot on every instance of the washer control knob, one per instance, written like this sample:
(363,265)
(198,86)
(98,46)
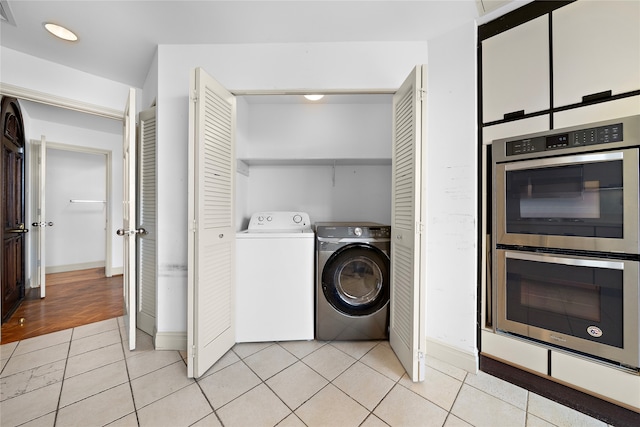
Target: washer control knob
(297,218)
(269,218)
(260,218)
(357,231)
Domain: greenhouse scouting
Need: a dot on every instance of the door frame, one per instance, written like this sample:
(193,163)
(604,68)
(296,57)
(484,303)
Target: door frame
(32,201)
(25,94)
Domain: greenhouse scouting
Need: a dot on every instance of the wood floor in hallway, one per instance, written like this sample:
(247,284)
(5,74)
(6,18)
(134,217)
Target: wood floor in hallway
(73,299)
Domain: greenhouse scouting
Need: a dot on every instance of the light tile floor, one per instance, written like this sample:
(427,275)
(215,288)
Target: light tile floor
(85,376)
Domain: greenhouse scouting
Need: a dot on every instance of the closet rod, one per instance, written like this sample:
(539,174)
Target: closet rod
(87,201)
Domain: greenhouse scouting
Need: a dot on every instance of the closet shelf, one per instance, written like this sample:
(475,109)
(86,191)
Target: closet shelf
(316,162)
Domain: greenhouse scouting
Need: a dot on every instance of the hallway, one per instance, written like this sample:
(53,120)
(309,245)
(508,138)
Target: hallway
(73,299)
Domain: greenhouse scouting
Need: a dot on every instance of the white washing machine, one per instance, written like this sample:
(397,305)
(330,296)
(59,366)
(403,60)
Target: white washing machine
(275,278)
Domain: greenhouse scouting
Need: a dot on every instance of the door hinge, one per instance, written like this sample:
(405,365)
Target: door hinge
(193,352)
(419,227)
(422,93)
(194,96)
(421,366)
(194,226)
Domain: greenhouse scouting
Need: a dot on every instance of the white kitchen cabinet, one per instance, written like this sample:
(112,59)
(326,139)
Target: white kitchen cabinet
(596,48)
(600,379)
(515,70)
(597,112)
(521,353)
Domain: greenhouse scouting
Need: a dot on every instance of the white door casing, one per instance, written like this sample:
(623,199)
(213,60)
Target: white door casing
(128,230)
(211,228)
(407,307)
(146,219)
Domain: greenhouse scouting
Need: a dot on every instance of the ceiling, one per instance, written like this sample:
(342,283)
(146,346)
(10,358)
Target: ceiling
(118,39)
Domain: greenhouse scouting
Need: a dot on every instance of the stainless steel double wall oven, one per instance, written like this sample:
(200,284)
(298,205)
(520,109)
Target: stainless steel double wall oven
(567,240)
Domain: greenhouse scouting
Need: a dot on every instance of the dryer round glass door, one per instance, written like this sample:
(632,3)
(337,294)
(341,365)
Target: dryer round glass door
(355,280)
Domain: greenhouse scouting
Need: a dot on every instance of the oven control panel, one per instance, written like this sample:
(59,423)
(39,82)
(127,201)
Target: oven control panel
(578,138)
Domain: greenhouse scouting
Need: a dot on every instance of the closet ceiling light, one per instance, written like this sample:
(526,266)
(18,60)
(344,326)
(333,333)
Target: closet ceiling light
(314,97)
(60,32)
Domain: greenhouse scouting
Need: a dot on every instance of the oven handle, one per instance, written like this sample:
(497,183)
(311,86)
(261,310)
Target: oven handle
(566,160)
(579,262)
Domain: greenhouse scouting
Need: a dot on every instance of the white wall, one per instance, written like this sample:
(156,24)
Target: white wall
(319,66)
(77,239)
(150,88)
(360,193)
(319,131)
(451,193)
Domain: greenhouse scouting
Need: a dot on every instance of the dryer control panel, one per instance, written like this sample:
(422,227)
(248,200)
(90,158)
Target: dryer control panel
(353,230)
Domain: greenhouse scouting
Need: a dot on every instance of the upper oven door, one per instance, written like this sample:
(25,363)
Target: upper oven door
(582,202)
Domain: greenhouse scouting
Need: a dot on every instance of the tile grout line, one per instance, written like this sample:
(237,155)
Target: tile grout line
(126,366)
(195,380)
(64,372)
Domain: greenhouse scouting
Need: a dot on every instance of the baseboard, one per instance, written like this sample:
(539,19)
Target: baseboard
(73,267)
(170,341)
(117,271)
(605,411)
(454,356)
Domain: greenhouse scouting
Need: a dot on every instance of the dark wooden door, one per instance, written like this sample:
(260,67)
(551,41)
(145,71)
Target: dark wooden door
(12,214)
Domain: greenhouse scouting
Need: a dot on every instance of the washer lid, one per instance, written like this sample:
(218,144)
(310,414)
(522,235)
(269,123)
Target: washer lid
(279,222)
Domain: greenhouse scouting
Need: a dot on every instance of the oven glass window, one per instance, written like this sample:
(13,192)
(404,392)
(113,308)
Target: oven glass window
(584,302)
(583,200)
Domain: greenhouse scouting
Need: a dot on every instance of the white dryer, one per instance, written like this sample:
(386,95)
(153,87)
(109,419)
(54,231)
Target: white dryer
(275,278)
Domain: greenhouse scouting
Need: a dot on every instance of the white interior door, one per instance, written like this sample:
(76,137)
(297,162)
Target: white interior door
(40,153)
(146,211)
(407,317)
(128,230)
(211,247)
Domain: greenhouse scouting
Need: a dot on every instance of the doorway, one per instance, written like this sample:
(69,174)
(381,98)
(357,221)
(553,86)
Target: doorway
(77,203)
(89,136)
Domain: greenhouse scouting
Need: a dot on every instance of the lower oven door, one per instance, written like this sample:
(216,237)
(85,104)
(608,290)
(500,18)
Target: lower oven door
(584,304)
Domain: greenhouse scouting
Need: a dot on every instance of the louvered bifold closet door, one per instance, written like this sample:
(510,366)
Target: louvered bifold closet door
(407,313)
(211,330)
(147,209)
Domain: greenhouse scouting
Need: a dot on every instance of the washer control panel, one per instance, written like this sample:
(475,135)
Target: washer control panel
(270,221)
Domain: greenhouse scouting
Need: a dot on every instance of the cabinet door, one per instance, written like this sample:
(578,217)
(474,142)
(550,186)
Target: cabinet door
(596,48)
(515,70)
(593,113)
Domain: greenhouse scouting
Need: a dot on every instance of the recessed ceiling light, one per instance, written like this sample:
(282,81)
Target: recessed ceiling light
(60,32)
(314,97)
